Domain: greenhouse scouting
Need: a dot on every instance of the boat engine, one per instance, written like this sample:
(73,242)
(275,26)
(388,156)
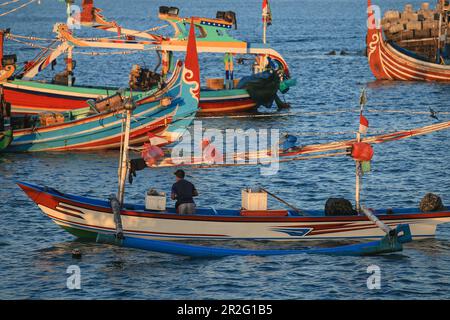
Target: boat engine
(173,11)
(143,79)
(228,16)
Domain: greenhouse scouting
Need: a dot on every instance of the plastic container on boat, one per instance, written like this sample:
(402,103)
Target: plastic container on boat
(155,200)
(254,199)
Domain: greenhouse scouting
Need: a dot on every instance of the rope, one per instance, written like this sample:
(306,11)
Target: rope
(93,53)
(312,113)
(17,8)
(8,2)
(31,44)
(28,37)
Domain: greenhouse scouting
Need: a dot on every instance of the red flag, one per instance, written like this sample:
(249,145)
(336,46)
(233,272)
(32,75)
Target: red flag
(363,124)
(266,12)
(191,72)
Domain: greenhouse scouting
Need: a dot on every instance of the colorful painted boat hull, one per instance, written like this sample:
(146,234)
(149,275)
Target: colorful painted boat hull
(104,131)
(85,217)
(388,63)
(31,97)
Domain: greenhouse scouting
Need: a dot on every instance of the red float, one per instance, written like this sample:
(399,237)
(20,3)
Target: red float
(362,151)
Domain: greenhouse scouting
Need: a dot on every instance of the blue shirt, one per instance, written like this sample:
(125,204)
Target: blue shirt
(184,192)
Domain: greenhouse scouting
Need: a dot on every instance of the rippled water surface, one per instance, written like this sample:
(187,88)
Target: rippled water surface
(35,253)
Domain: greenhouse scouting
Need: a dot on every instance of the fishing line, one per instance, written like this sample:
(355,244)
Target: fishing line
(8,2)
(17,8)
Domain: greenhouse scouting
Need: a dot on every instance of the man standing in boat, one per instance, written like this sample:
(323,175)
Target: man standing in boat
(183,191)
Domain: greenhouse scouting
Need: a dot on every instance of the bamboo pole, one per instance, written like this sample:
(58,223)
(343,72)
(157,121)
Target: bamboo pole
(264,28)
(2,37)
(69,65)
(438,51)
(125,149)
(358,178)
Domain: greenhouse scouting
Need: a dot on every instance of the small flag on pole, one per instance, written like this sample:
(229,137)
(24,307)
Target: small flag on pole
(266,13)
(363,124)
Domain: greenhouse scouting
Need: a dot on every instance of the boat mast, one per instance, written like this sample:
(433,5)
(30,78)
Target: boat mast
(123,168)
(69,66)
(358,169)
(264,27)
(2,38)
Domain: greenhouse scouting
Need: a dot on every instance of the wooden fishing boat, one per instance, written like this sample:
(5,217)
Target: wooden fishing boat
(164,114)
(28,96)
(31,97)
(86,218)
(388,61)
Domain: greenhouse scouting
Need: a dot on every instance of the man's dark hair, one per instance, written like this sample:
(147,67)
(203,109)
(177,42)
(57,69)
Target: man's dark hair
(180,173)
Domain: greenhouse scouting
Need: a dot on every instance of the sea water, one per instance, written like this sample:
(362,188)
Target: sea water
(35,254)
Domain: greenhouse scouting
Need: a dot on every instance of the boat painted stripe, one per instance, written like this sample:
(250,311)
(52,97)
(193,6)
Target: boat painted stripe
(54,93)
(398,59)
(74,211)
(141,232)
(429,66)
(112,231)
(103,140)
(88,120)
(69,214)
(408,71)
(393,66)
(243,107)
(220,98)
(112,140)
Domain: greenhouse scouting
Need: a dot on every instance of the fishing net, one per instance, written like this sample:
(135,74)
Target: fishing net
(339,207)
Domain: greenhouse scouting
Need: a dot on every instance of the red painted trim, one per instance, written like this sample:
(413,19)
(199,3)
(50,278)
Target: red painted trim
(41,102)
(264,213)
